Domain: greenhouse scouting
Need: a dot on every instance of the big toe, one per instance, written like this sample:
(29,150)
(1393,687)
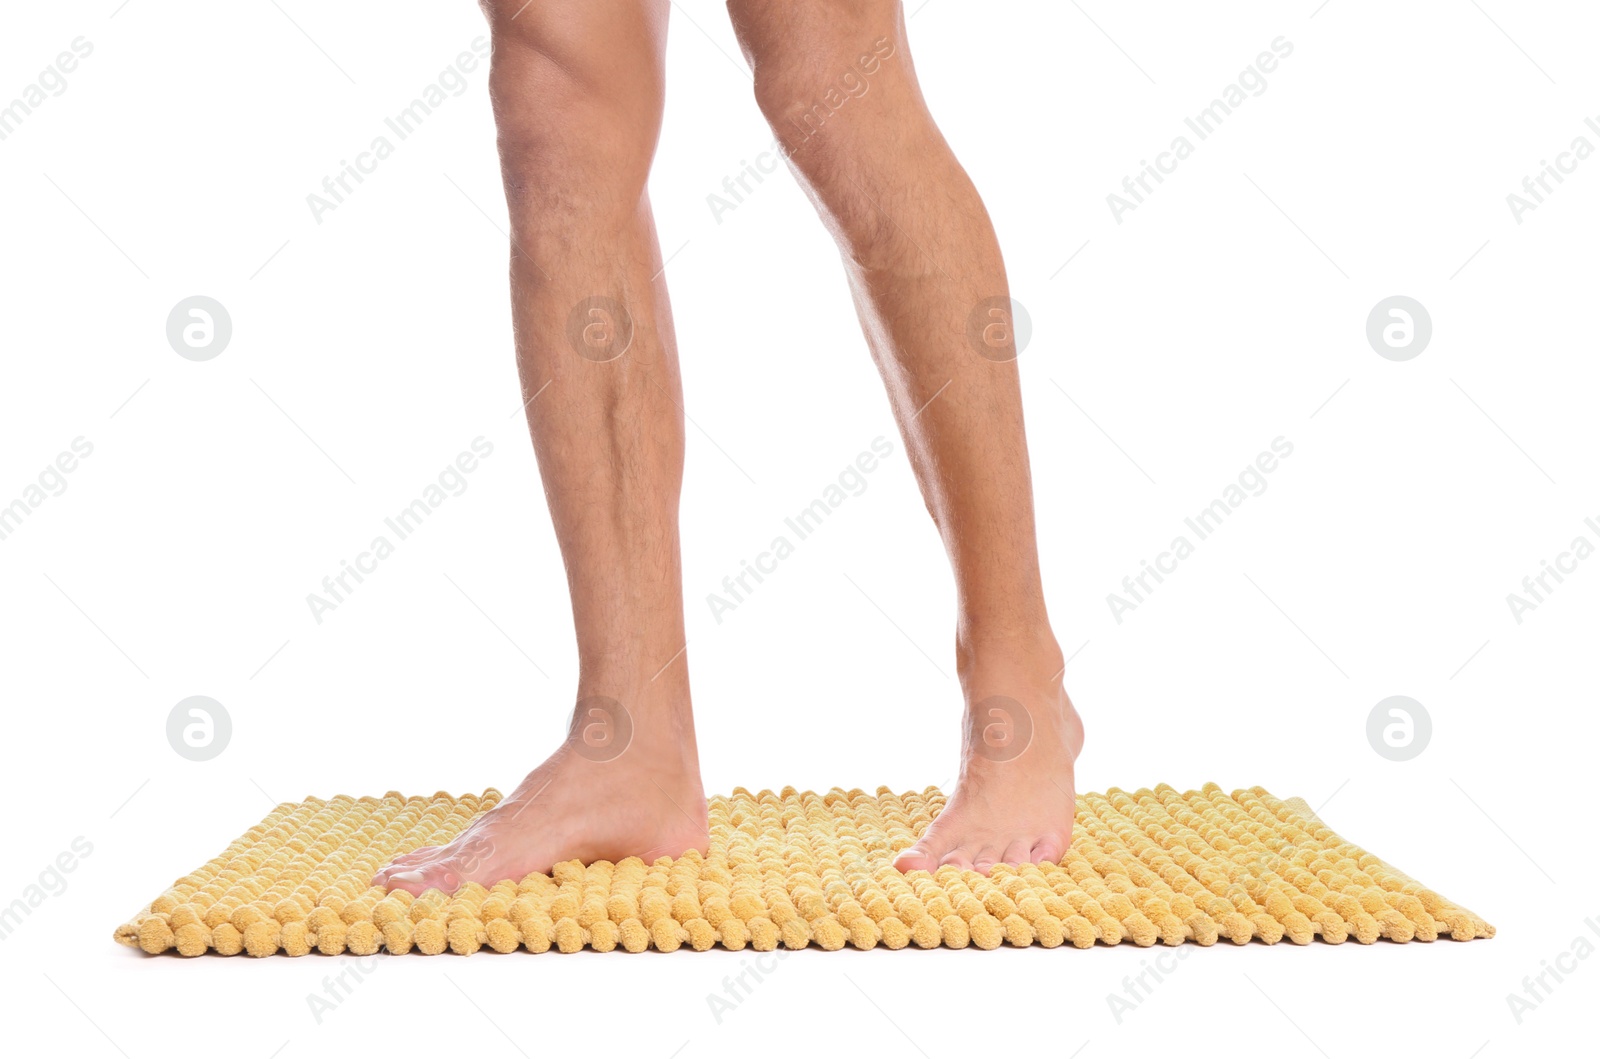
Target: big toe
(416,858)
(418,879)
(917,858)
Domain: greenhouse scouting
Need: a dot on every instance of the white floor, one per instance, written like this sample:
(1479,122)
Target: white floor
(1171,343)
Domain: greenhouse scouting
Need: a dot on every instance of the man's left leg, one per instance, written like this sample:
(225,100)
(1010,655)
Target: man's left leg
(835,81)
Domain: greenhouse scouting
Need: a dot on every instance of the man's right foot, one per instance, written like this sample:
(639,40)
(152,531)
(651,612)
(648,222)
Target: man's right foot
(586,802)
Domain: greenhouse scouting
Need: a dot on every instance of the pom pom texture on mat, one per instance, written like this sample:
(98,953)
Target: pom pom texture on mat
(797,869)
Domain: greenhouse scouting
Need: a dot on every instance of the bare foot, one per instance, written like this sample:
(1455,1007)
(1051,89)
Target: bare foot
(1014,799)
(600,796)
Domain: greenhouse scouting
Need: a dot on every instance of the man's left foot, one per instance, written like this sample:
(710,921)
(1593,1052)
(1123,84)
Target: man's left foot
(1014,799)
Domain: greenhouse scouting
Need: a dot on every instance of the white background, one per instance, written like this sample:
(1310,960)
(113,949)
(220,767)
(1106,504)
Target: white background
(1226,311)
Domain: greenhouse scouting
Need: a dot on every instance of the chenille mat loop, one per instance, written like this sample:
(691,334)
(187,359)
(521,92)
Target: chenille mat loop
(798,869)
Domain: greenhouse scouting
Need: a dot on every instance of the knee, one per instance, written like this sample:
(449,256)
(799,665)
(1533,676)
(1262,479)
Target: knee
(609,49)
(813,63)
(834,83)
(577,89)
(802,92)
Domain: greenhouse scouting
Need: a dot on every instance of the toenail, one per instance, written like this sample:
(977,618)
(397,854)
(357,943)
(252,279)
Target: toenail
(406,876)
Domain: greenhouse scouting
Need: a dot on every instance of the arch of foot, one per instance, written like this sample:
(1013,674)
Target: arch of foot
(794,869)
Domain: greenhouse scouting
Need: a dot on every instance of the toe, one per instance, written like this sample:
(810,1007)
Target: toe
(413,881)
(442,873)
(987,857)
(1018,852)
(916,858)
(957,858)
(405,860)
(1047,851)
(417,855)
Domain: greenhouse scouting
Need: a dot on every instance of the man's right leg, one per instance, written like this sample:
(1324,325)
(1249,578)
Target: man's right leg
(577,91)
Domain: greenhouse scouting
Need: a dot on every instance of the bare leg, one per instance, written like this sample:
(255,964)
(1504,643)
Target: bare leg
(834,78)
(577,89)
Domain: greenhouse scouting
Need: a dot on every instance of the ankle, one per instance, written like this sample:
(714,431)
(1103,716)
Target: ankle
(1029,654)
(645,725)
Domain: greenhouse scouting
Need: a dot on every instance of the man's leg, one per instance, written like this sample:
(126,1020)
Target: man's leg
(834,78)
(577,91)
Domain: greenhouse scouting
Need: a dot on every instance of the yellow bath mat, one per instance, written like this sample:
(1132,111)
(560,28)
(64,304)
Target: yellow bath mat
(797,869)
